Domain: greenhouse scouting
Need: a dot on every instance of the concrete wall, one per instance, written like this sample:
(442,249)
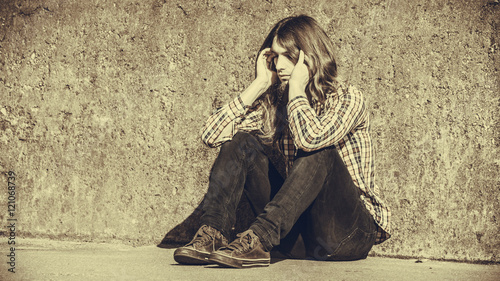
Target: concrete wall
(102,102)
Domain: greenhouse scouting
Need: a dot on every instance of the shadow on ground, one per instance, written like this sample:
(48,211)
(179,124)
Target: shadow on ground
(184,231)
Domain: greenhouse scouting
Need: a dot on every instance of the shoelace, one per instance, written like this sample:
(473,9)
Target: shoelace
(202,236)
(244,243)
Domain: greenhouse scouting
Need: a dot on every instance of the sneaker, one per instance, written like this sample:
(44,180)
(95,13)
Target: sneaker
(206,240)
(245,251)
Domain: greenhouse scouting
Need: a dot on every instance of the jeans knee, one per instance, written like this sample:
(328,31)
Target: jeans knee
(243,146)
(242,136)
(324,155)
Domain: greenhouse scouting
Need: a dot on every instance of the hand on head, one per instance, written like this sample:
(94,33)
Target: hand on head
(300,74)
(264,72)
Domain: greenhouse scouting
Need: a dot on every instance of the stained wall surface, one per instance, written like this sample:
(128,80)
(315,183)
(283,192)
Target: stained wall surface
(102,102)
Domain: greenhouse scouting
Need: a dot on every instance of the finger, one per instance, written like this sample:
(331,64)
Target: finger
(301,58)
(269,58)
(265,51)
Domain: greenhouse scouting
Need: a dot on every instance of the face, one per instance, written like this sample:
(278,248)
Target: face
(282,61)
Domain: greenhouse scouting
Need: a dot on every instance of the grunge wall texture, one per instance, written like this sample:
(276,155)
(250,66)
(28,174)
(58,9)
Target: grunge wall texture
(102,104)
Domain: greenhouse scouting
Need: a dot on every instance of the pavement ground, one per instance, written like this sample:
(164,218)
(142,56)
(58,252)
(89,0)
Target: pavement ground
(43,259)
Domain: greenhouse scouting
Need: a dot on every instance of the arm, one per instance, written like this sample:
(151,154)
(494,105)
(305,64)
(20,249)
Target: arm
(222,125)
(312,132)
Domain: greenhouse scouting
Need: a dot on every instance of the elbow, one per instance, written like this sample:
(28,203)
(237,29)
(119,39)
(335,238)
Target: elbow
(207,140)
(210,144)
(304,145)
(305,148)
(310,143)
(303,141)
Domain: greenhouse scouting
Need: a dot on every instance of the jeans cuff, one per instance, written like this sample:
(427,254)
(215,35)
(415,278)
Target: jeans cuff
(216,225)
(263,237)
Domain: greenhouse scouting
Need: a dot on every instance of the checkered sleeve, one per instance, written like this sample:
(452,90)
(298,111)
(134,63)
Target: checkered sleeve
(225,122)
(312,132)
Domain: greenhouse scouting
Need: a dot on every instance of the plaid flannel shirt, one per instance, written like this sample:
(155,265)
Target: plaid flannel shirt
(341,121)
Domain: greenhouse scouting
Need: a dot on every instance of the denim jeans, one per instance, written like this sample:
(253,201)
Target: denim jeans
(316,212)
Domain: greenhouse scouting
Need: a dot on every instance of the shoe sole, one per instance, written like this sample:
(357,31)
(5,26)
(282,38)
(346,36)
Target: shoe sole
(226,261)
(189,256)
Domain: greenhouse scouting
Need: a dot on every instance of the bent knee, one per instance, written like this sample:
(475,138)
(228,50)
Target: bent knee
(242,143)
(237,140)
(317,155)
(242,136)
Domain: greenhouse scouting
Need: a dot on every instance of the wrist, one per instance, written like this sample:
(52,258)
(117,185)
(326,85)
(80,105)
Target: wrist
(297,85)
(295,90)
(253,92)
(261,83)
(260,86)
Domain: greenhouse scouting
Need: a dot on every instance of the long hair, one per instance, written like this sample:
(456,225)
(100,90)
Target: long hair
(295,34)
